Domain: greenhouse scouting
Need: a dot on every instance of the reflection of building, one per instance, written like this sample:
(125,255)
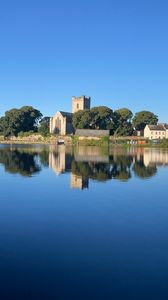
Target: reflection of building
(78,182)
(57,162)
(155,132)
(91,154)
(61,123)
(149,155)
(60,160)
(90,163)
(155,156)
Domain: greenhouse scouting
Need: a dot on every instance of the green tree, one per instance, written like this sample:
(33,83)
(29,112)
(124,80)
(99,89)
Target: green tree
(82,119)
(124,115)
(17,120)
(11,123)
(124,129)
(2,121)
(144,118)
(43,128)
(123,122)
(101,118)
(30,118)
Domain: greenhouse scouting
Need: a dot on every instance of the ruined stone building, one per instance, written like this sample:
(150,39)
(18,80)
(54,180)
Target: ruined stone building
(61,123)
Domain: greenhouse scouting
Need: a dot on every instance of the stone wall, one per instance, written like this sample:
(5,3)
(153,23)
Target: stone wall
(92,133)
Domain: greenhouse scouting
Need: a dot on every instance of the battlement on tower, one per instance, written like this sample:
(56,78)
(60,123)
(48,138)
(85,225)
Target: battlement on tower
(80,103)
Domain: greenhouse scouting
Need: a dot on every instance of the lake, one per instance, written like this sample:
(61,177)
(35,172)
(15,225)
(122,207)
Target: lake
(88,223)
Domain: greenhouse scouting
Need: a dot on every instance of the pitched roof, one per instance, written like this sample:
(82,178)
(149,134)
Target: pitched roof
(166,126)
(159,127)
(67,115)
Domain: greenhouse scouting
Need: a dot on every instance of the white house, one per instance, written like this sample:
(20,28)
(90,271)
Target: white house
(156,132)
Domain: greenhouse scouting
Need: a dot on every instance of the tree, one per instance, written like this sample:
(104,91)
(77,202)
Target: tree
(30,118)
(124,129)
(101,118)
(124,115)
(82,119)
(144,118)
(43,128)
(17,120)
(123,121)
(2,121)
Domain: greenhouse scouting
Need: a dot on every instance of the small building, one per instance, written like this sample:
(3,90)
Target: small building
(61,123)
(156,132)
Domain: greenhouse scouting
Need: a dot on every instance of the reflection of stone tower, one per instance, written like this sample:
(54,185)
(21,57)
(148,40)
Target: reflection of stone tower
(78,182)
(80,103)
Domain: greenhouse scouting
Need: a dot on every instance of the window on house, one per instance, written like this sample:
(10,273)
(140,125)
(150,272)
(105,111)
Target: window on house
(77,105)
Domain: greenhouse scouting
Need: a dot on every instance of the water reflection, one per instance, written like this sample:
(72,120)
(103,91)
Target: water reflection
(83,163)
(19,161)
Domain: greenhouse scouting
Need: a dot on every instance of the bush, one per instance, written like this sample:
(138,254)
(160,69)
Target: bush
(22,134)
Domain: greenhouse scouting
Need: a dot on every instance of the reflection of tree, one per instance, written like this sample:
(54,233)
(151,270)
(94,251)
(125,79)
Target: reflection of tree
(142,171)
(121,167)
(101,171)
(19,161)
(29,160)
(96,171)
(44,157)
(81,169)
(118,168)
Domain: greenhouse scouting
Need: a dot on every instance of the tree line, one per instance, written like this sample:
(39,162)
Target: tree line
(120,122)
(25,119)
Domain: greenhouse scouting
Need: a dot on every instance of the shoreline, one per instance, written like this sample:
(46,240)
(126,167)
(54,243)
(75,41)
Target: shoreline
(119,142)
(116,145)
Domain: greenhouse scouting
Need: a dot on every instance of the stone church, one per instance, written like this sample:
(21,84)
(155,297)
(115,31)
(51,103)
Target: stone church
(61,123)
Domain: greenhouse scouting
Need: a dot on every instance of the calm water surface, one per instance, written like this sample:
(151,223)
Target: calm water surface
(85,224)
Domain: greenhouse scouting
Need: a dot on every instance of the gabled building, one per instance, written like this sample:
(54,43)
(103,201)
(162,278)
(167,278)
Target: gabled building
(156,132)
(61,123)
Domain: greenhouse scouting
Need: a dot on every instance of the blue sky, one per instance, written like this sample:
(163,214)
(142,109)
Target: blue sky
(114,51)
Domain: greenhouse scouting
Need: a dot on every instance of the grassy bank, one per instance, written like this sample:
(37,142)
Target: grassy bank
(84,141)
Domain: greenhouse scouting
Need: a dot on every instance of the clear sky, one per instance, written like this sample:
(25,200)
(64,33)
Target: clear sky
(114,51)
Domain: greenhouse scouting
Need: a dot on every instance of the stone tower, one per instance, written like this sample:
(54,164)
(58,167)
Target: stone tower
(80,103)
